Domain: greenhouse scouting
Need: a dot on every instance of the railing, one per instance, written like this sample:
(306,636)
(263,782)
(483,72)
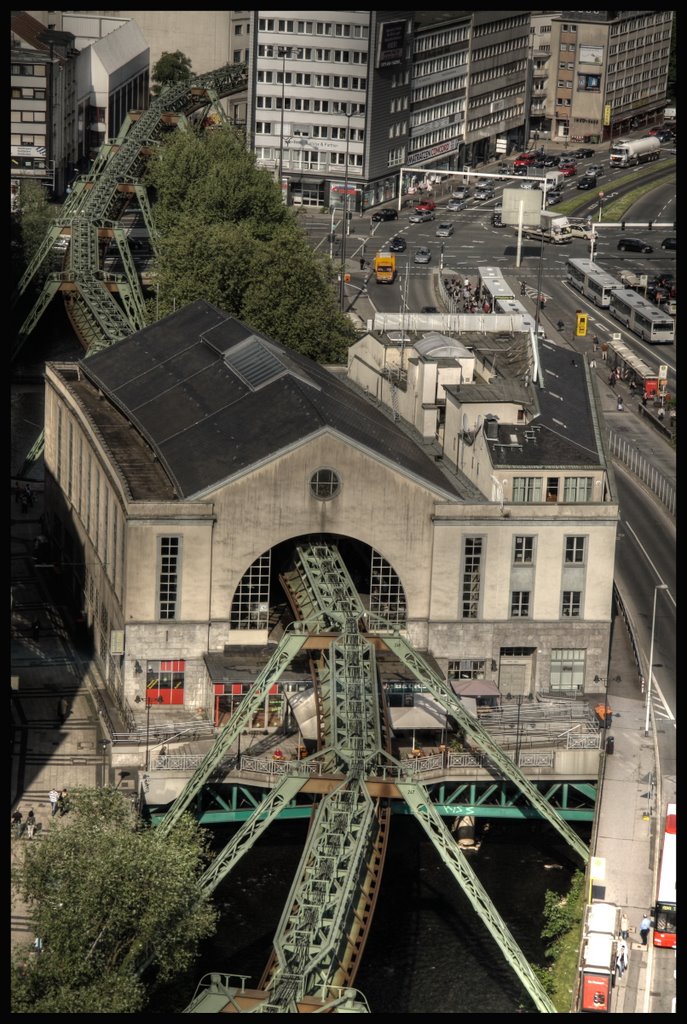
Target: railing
(642,467)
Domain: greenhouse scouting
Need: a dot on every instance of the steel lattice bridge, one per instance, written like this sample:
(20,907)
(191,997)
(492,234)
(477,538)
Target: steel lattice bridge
(106,307)
(319,941)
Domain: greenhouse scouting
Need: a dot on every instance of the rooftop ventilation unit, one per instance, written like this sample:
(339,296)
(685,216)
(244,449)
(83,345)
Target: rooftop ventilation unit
(491,428)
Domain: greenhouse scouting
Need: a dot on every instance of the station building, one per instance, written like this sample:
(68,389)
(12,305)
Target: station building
(474,509)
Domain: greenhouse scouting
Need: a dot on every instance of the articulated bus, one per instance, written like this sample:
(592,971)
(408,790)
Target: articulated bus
(593,282)
(665,927)
(642,317)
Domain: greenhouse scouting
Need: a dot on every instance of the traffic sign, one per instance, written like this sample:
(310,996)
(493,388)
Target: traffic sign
(601,195)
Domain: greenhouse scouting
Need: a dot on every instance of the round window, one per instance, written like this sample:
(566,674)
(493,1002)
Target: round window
(325,484)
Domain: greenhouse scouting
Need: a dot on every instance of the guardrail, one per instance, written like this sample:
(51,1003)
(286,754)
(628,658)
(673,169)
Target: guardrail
(642,468)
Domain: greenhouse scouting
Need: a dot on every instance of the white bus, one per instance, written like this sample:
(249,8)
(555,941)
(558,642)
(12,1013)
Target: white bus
(500,296)
(593,282)
(641,317)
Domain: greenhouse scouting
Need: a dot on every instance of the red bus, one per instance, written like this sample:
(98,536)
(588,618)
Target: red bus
(665,930)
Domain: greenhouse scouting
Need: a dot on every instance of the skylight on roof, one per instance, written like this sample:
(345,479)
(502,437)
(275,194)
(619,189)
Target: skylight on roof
(254,363)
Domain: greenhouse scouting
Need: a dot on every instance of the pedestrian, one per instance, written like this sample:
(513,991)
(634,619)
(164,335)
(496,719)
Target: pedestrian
(63,802)
(36,629)
(621,958)
(633,387)
(560,325)
(595,342)
(53,797)
(624,927)
(17,818)
(362,262)
(611,381)
(661,413)
(620,404)
(30,824)
(644,929)
(604,351)
(644,400)
(523,288)
(592,364)
(542,301)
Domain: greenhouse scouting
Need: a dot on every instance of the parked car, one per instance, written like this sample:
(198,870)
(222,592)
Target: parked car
(445,229)
(485,192)
(633,245)
(456,205)
(568,170)
(587,181)
(460,192)
(669,243)
(421,216)
(398,244)
(426,204)
(595,169)
(386,214)
(422,254)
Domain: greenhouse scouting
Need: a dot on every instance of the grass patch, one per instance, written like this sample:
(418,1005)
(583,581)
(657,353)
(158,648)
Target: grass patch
(614,211)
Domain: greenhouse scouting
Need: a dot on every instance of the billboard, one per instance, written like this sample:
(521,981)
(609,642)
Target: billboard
(587,54)
(529,200)
(391,43)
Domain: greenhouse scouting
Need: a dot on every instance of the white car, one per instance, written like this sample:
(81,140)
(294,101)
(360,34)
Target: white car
(529,184)
(422,255)
(444,230)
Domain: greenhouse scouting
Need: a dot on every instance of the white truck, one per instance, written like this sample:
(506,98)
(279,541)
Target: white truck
(628,153)
(552,228)
(552,179)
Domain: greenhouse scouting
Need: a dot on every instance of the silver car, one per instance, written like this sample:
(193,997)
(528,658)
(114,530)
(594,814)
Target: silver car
(444,230)
(460,192)
(456,205)
(420,216)
(422,254)
(484,192)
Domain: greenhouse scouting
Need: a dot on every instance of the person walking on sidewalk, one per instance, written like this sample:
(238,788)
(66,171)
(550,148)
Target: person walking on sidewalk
(63,802)
(644,929)
(30,824)
(621,958)
(624,927)
(17,818)
(53,797)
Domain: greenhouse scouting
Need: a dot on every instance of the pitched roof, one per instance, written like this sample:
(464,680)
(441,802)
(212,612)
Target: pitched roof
(212,398)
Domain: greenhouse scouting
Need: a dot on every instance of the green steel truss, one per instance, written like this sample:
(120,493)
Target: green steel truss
(418,800)
(452,705)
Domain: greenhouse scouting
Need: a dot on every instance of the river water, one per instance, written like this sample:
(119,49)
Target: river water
(428,951)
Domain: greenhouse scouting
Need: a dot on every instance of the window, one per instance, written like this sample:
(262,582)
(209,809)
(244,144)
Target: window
(250,607)
(523,550)
(527,488)
(567,669)
(578,488)
(165,682)
(472,555)
(552,488)
(387,596)
(520,604)
(467,668)
(574,550)
(571,603)
(325,484)
(169,577)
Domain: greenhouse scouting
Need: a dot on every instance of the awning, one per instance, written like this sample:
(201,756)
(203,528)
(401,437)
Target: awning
(475,688)
(426,713)
(302,703)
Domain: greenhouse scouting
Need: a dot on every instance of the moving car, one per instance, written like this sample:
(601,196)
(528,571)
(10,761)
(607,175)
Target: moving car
(496,219)
(587,181)
(445,229)
(595,169)
(568,170)
(429,309)
(669,243)
(420,216)
(460,192)
(633,245)
(456,205)
(520,169)
(551,160)
(553,197)
(426,204)
(582,153)
(485,192)
(422,254)
(529,184)
(386,214)
(398,244)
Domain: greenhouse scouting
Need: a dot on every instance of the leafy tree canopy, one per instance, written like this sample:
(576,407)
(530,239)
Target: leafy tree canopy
(107,896)
(170,68)
(226,236)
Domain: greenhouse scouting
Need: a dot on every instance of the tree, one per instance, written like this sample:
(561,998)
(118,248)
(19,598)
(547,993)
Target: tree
(107,896)
(32,218)
(169,69)
(226,236)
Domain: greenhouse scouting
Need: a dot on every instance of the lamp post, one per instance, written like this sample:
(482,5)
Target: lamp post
(344,233)
(283,52)
(149,701)
(659,586)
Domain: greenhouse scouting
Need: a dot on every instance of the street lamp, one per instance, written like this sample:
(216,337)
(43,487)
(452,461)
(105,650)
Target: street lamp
(149,701)
(344,233)
(659,586)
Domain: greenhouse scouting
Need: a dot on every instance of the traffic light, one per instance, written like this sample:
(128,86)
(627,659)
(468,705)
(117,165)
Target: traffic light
(622,225)
(580,324)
